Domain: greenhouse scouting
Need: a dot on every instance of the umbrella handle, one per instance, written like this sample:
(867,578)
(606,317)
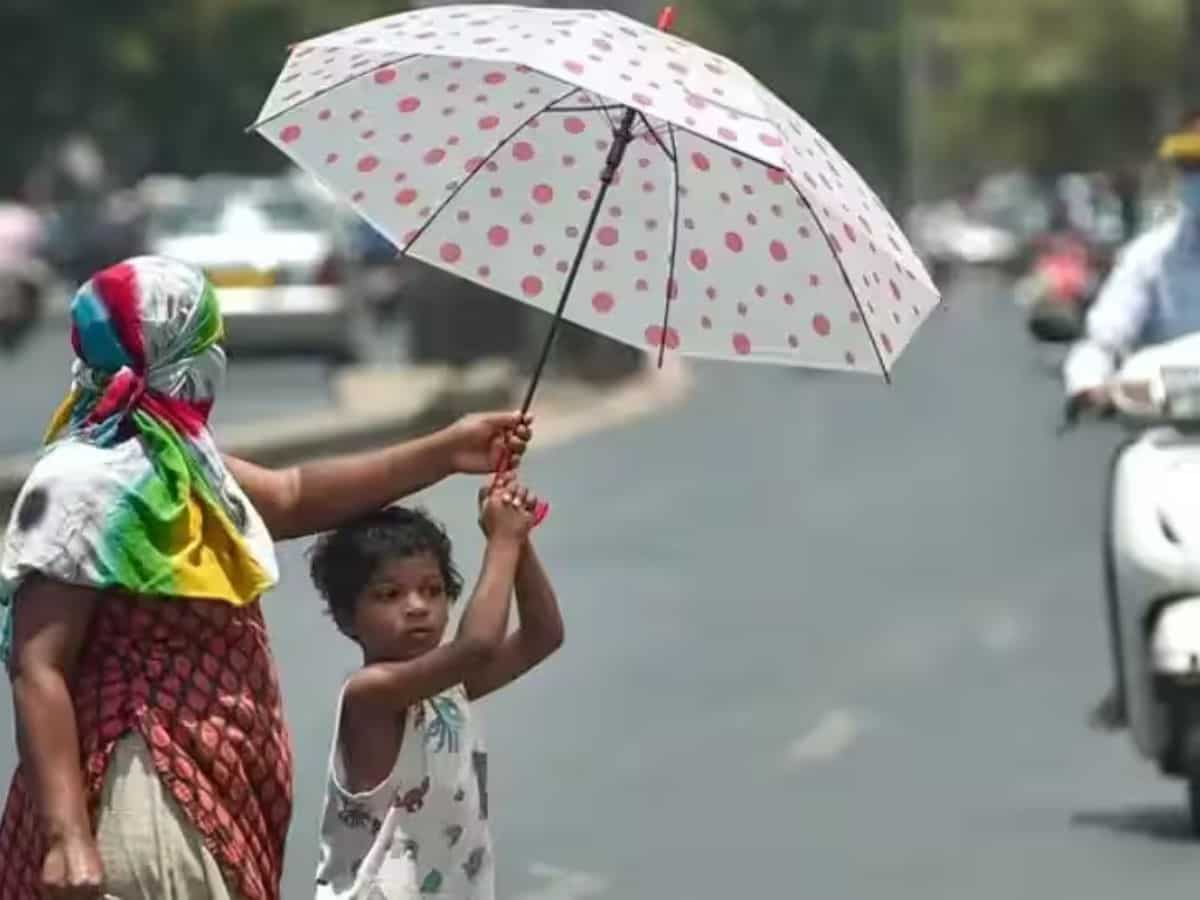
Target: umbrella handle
(541,510)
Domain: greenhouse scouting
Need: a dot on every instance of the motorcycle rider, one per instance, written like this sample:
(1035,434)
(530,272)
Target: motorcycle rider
(1152,296)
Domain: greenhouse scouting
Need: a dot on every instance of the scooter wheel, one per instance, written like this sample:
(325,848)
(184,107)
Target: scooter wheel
(1190,754)
(20,311)
(1193,789)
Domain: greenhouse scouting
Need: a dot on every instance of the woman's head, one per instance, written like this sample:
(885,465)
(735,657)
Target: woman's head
(148,324)
(388,581)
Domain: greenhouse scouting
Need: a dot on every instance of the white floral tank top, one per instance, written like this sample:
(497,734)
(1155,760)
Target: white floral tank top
(423,831)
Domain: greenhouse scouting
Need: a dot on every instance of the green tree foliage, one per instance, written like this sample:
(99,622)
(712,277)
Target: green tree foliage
(162,86)
(836,62)
(1051,85)
(1054,84)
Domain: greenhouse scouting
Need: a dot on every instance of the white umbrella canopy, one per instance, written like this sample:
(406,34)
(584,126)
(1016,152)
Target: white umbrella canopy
(586,164)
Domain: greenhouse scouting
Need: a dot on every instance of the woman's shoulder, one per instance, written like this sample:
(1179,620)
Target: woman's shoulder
(72,465)
(70,479)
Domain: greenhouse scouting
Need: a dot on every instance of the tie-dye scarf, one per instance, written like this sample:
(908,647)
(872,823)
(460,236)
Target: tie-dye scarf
(131,493)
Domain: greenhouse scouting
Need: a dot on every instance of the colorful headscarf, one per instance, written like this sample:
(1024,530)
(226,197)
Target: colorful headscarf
(131,492)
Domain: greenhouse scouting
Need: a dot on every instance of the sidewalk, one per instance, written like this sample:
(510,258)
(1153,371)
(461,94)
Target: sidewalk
(378,406)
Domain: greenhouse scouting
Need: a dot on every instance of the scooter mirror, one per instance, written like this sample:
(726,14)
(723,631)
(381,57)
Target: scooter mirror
(1181,392)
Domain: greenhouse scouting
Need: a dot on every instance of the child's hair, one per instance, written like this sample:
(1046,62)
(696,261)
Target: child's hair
(342,562)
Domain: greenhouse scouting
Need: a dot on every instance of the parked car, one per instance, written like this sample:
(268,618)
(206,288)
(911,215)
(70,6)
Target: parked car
(947,236)
(281,265)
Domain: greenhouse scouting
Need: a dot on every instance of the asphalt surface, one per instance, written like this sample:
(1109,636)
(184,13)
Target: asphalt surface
(826,639)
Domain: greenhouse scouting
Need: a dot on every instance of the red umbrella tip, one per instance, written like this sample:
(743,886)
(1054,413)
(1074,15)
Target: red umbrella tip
(666,19)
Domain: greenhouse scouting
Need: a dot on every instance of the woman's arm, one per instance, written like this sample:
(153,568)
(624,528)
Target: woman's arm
(539,635)
(50,624)
(322,495)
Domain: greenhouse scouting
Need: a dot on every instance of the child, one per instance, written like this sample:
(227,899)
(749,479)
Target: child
(406,803)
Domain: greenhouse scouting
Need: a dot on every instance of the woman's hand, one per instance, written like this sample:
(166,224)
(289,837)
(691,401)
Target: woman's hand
(478,444)
(72,869)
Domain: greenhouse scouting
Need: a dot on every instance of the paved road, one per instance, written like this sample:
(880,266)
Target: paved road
(825,639)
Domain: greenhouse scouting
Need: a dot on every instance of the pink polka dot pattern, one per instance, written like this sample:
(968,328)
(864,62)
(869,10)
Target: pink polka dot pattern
(544,227)
(463,134)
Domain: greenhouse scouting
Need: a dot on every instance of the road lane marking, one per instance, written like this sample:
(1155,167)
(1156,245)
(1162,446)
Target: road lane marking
(564,884)
(834,733)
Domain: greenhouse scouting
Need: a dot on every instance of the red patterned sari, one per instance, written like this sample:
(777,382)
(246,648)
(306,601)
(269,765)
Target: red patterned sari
(196,680)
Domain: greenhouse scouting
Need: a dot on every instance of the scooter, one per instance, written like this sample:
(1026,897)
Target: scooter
(1152,557)
(1062,283)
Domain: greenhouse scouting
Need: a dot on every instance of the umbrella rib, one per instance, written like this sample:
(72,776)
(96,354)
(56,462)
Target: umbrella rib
(482,165)
(674,157)
(612,123)
(599,107)
(845,277)
(606,108)
(263,123)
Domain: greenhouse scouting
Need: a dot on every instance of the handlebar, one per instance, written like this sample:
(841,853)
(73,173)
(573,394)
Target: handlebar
(1073,412)
(1140,403)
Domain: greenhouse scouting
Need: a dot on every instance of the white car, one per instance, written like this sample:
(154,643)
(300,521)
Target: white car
(283,275)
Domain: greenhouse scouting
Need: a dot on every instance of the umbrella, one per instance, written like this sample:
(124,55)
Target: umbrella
(607,172)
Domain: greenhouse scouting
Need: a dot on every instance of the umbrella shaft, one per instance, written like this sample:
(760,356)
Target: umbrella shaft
(622,137)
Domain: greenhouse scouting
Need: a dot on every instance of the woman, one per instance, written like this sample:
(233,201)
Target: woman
(154,758)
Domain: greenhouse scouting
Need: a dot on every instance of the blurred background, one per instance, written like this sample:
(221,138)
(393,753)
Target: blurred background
(985,126)
(863,665)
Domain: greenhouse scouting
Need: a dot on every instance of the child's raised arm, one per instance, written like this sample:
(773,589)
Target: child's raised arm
(507,517)
(539,635)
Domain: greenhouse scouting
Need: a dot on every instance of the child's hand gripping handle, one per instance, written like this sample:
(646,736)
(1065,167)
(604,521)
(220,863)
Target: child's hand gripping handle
(542,510)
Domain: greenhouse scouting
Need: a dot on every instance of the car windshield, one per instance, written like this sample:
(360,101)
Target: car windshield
(235,213)
(288,214)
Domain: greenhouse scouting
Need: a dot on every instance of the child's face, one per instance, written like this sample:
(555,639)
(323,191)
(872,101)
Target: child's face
(402,612)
